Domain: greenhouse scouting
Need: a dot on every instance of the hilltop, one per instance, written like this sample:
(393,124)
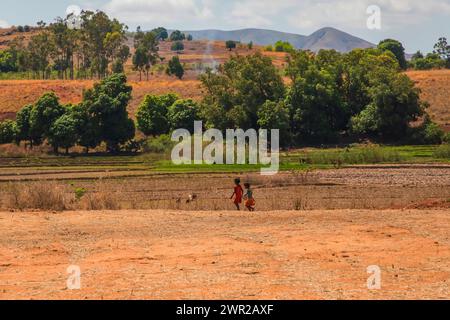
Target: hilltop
(325,38)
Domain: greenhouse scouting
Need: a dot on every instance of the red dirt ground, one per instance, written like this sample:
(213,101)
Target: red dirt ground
(226,255)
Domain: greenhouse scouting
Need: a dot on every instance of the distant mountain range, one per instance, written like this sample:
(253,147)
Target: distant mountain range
(326,38)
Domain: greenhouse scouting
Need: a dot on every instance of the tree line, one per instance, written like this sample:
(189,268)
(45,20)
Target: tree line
(320,98)
(329,97)
(94,47)
(101,117)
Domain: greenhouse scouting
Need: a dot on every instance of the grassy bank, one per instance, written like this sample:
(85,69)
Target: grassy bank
(303,159)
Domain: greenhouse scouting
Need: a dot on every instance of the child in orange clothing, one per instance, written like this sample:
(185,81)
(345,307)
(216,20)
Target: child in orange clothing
(237,194)
(250,202)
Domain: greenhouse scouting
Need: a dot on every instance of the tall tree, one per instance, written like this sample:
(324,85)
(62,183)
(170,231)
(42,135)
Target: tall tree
(174,67)
(146,54)
(40,49)
(63,133)
(44,113)
(177,35)
(239,89)
(107,105)
(152,114)
(397,49)
(442,48)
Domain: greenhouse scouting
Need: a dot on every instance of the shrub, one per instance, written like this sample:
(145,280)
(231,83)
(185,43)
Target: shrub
(443,152)
(159,144)
(8,131)
(433,134)
(79,193)
(177,46)
(428,133)
(230,45)
(38,196)
(446,138)
(175,68)
(283,46)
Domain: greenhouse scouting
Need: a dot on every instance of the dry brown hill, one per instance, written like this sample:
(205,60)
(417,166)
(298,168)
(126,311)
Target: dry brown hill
(435,86)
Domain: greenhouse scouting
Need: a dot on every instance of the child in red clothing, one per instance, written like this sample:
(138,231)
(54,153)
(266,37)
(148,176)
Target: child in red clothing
(237,194)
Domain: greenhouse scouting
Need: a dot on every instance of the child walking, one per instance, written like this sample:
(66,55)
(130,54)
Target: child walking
(237,194)
(250,202)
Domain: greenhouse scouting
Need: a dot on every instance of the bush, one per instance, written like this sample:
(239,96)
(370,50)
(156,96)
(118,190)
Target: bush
(175,68)
(177,35)
(433,134)
(230,45)
(283,46)
(428,133)
(159,144)
(443,152)
(38,196)
(446,138)
(177,46)
(8,131)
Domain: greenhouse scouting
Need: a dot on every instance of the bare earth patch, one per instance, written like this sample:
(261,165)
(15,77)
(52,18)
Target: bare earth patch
(226,255)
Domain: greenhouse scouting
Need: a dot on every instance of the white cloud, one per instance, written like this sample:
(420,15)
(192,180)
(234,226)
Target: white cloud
(298,15)
(260,13)
(4,24)
(160,12)
(346,14)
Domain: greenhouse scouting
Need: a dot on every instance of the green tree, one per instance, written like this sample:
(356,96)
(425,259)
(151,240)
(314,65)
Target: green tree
(141,60)
(177,46)
(283,46)
(241,85)
(102,40)
(177,35)
(65,40)
(63,133)
(43,115)
(275,115)
(24,127)
(107,105)
(317,108)
(182,115)
(397,49)
(152,114)
(146,54)
(7,61)
(442,48)
(395,103)
(87,128)
(175,68)
(161,33)
(8,131)
(230,45)
(40,49)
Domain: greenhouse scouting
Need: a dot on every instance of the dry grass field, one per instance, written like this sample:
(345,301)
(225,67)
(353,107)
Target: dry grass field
(435,86)
(14,94)
(374,187)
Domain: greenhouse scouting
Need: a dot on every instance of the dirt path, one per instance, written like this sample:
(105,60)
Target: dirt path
(225,255)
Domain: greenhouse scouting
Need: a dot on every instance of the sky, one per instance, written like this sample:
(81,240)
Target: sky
(416,23)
